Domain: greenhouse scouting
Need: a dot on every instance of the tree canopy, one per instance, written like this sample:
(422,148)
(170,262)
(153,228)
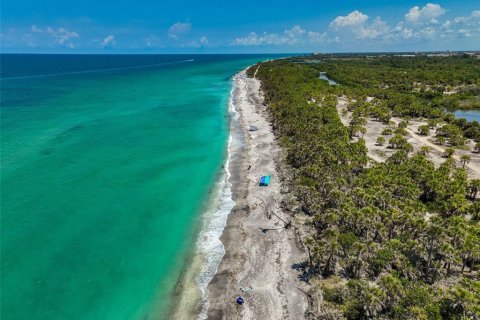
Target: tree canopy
(403,234)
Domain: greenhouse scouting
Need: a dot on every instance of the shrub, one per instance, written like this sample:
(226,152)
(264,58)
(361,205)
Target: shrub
(401,131)
(424,130)
(424,150)
(387,132)
(403,124)
(380,140)
(449,152)
(397,141)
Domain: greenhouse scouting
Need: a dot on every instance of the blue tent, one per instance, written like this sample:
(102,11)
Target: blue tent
(264,181)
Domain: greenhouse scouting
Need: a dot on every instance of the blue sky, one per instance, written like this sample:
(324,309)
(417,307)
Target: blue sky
(246,26)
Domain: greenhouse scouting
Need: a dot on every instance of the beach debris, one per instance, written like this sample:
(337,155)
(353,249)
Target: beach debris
(246,289)
(269,215)
(253,128)
(288,224)
(265,230)
(240,300)
(264,181)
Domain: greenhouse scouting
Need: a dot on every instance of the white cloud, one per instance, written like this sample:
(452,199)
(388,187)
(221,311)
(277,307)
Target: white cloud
(316,37)
(196,43)
(252,40)
(354,18)
(203,41)
(459,27)
(420,25)
(428,14)
(472,20)
(357,25)
(179,28)
(294,36)
(464,26)
(294,32)
(374,30)
(417,27)
(108,41)
(402,32)
(61,36)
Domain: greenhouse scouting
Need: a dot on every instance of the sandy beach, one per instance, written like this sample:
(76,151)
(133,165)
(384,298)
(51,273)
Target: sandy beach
(257,264)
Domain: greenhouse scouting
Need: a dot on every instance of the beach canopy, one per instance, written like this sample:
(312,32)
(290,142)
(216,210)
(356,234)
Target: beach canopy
(264,181)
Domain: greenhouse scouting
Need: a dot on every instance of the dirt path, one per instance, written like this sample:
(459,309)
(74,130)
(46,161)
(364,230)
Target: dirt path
(425,141)
(255,74)
(380,154)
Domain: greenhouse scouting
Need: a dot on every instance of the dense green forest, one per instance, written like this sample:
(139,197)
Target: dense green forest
(395,240)
(412,86)
(418,79)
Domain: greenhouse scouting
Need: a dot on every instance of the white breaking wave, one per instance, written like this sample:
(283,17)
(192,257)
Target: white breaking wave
(214,221)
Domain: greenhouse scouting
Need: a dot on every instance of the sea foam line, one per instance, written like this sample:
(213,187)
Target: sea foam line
(209,245)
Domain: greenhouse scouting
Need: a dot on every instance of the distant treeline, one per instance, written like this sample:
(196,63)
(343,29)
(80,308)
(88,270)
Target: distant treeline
(419,80)
(397,240)
(411,86)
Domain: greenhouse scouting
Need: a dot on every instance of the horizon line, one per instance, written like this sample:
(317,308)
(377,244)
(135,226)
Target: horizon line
(239,53)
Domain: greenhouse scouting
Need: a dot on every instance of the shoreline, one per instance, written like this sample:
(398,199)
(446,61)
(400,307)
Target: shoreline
(189,297)
(255,259)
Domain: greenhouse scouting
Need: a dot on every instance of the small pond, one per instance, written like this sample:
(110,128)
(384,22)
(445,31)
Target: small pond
(331,82)
(469,115)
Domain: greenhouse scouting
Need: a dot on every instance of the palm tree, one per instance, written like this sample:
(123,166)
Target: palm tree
(393,288)
(449,152)
(477,147)
(441,140)
(309,242)
(374,302)
(363,130)
(473,188)
(368,301)
(424,130)
(464,299)
(434,238)
(397,141)
(424,150)
(380,140)
(387,132)
(408,147)
(465,159)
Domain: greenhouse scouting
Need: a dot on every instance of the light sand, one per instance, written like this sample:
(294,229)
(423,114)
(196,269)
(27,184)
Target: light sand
(256,259)
(381,153)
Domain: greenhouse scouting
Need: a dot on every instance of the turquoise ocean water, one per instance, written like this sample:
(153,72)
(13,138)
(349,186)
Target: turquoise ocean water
(106,164)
